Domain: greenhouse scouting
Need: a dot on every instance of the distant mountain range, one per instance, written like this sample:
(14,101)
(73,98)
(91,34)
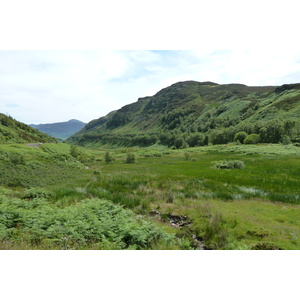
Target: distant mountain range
(61,130)
(12,131)
(192,113)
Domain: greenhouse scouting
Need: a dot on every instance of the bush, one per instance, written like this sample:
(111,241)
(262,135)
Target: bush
(184,145)
(74,151)
(187,156)
(151,153)
(230,164)
(240,136)
(17,159)
(108,158)
(37,193)
(286,140)
(265,246)
(130,159)
(252,139)
(83,158)
(216,234)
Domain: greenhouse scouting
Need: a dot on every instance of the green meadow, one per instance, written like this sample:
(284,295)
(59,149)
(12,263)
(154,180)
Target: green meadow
(231,197)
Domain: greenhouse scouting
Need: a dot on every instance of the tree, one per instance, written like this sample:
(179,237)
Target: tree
(252,139)
(219,136)
(240,136)
(206,141)
(196,139)
(272,132)
(179,142)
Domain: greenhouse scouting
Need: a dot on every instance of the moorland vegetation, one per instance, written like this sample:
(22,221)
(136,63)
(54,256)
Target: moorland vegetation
(191,114)
(13,131)
(197,166)
(213,197)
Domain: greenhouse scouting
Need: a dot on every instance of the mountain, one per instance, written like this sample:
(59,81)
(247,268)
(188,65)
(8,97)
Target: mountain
(195,113)
(61,130)
(12,131)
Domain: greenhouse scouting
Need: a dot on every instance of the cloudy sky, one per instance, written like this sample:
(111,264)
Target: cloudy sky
(56,61)
(52,86)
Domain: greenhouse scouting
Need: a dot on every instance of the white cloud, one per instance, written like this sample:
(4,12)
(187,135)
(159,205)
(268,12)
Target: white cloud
(53,86)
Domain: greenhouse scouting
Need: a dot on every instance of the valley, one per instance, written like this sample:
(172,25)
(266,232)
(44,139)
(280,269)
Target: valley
(53,200)
(197,166)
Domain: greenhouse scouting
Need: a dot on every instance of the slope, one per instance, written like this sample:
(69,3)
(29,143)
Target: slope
(12,131)
(194,113)
(61,130)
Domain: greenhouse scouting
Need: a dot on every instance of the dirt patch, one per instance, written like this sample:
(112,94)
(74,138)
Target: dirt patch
(34,145)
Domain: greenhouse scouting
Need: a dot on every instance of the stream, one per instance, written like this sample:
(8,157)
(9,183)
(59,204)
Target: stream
(180,221)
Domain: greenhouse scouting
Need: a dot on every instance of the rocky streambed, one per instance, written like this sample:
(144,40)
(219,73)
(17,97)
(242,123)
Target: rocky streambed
(181,221)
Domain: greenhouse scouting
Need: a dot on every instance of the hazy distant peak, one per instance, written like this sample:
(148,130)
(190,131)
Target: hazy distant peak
(74,121)
(60,130)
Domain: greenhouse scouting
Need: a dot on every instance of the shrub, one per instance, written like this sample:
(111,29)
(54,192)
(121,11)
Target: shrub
(265,246)
(83,158)
(253,138)
(240,136)
(130,159)
(216,234)
(17,159)
(74,151)
(3,155)
(108,157)
(286,140)
(187,156)
(230,164)
(152,154)
(37,193)
(184,145)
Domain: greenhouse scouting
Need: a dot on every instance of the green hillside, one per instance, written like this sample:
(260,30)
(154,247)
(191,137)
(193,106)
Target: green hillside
(12,131)
(191,113)
(60,130)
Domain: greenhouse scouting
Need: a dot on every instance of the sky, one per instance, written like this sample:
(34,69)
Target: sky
(40,86)
(62,60)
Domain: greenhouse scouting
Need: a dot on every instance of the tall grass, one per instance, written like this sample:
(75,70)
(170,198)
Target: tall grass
(228,208)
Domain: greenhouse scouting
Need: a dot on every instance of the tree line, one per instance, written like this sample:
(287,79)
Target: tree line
(273,131)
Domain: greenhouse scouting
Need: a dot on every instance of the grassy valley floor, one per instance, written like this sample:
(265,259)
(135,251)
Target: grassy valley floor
(212,197)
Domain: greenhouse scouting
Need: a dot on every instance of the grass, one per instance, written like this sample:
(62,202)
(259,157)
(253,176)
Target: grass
(242,197)
(251,208)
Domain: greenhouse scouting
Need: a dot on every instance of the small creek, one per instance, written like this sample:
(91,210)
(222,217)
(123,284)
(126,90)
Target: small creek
(180,221)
